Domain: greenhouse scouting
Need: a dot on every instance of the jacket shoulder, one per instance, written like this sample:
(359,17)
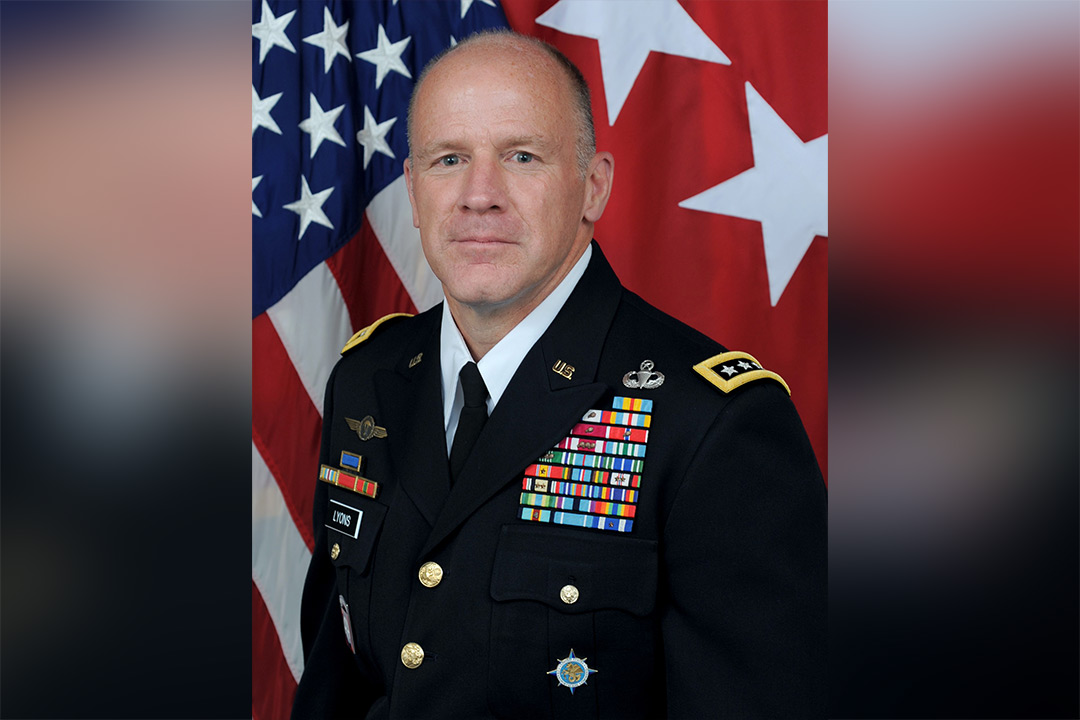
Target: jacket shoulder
(726,370)
(367,333)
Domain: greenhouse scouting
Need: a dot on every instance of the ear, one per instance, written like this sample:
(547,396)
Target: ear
(598,185)
(412,198)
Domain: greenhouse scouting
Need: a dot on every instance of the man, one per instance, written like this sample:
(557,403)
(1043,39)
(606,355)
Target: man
(544,498)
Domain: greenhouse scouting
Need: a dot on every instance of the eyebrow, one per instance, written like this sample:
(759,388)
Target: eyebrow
(450,146)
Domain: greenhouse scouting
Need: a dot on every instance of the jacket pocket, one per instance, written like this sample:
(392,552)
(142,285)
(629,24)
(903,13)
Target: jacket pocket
(557,590)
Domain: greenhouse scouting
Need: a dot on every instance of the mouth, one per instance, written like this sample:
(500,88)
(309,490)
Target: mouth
(480,240)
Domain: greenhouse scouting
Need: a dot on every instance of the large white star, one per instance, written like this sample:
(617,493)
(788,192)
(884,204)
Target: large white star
(260,112)
(787,191)
(386,56)
(373,136)
(309,207)
(466,4)
(627,32)
(320,125)
(331,40)
(254,184)
(270,31)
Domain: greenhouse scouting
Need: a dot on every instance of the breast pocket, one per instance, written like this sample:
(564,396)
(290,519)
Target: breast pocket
(352,527)
(555,591)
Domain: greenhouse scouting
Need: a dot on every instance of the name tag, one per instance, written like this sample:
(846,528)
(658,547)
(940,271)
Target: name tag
(344,519)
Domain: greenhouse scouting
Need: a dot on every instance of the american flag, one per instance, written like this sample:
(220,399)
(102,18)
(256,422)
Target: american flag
(716,114)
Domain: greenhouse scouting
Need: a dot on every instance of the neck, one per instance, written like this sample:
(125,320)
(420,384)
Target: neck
(482,326)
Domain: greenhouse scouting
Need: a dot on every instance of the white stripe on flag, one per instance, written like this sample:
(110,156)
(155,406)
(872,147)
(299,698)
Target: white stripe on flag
(313,323)
(279,560)
(390,215)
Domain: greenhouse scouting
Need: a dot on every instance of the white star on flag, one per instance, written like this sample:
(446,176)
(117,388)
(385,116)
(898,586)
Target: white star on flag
(386,56)
(254,184)
(320,125)
(373,136)
(331,40)
(270,31)
(260,112)
(787,191)
(309,207)
(627,32)
(466,4)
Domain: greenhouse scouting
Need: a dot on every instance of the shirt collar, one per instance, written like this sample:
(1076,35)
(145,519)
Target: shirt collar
(500,363)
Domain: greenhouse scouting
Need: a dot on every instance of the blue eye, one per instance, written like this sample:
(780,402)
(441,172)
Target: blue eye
(523,157)
(449,160)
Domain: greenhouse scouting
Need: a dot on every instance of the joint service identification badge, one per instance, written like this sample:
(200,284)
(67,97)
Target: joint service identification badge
(572,672)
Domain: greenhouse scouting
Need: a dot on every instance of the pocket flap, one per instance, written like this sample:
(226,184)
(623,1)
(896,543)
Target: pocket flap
(536,563)
(352,525)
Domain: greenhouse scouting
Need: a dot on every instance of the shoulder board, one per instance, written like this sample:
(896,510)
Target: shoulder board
(369,331)
(729,370)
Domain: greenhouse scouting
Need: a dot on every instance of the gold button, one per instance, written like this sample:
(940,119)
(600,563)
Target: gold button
(335,551)
(569,594)
(412,655)
(430,574)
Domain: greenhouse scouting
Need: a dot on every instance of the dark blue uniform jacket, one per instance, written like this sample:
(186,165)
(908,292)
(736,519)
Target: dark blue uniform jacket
(710,604)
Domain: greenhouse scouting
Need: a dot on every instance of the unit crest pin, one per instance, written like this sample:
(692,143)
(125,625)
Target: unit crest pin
(644,378)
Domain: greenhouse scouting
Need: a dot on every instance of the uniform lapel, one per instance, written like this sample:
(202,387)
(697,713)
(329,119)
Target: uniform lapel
(540,404)
(410,398)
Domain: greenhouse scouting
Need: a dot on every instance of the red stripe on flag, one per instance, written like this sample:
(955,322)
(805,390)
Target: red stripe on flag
(368,282)
(271,676)
(285,426)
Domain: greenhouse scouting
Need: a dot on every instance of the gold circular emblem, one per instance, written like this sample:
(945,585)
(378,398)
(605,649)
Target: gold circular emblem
(569,594)
(430,574)
(412,655)
(335,551)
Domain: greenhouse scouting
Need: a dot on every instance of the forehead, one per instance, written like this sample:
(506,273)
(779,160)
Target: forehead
(488,86)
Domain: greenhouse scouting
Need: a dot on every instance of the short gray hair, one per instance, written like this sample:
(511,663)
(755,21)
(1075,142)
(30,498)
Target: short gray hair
(585,145)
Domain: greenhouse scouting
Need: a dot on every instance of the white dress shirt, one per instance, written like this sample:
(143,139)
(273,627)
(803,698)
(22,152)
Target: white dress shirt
(500,363)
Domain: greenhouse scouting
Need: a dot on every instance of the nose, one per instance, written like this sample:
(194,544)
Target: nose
(484,186)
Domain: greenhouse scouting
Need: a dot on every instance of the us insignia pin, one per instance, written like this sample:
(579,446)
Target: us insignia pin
(366,429)
(561,368)
(644,378)
(572,672)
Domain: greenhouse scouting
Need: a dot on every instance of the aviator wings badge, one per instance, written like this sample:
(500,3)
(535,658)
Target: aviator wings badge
(366,429)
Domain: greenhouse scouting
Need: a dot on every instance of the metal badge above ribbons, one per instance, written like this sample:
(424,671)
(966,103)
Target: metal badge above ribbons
(644,378)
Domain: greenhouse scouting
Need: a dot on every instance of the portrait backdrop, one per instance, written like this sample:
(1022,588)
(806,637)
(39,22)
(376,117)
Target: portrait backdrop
(716,114)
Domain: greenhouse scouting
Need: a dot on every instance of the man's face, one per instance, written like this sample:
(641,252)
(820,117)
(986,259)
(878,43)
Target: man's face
(495,187)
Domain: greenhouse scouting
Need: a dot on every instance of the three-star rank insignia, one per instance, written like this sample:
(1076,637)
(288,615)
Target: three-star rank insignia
(730,370)
(572,671)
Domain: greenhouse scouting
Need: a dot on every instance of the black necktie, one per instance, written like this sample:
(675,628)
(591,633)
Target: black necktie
(472,419)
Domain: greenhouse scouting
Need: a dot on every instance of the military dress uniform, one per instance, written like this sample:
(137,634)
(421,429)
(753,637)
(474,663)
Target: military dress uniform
(639,531)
